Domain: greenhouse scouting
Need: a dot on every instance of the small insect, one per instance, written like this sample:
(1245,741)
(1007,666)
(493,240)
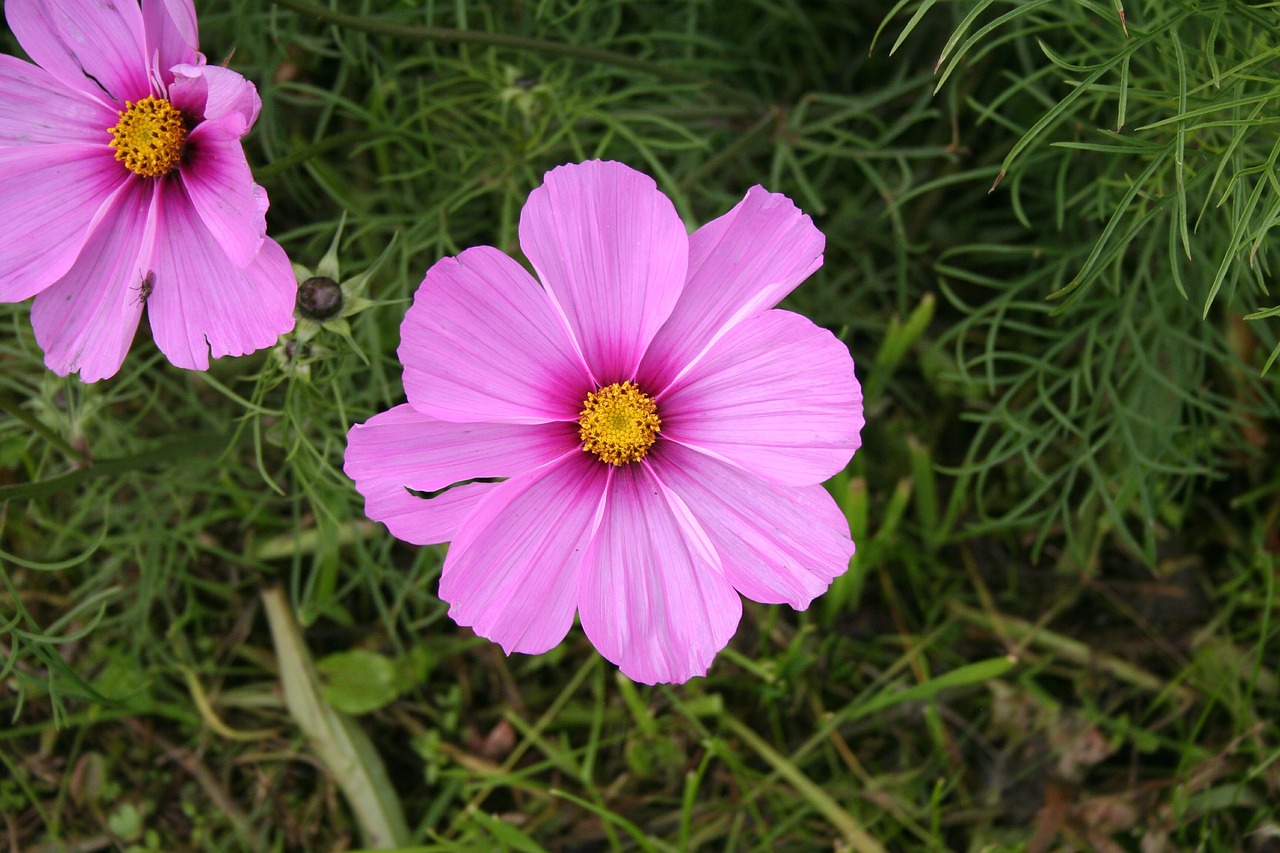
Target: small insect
(145,287)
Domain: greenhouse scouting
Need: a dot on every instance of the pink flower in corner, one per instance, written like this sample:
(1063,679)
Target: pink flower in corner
(662,428)
(123,184)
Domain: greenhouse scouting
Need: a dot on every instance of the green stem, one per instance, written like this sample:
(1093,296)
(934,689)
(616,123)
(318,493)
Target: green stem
(173,450)
(855,836)
(345,140)
(33,423)
(536,45)
(734,149)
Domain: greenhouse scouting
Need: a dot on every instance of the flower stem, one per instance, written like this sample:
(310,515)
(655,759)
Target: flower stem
(306,152)
(516,42)
(176,449)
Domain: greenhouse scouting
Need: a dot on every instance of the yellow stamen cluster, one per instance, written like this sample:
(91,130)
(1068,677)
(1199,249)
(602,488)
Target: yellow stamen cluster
(619,423)
(149,137)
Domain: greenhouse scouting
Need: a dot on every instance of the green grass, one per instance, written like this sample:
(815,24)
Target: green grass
(1060,631)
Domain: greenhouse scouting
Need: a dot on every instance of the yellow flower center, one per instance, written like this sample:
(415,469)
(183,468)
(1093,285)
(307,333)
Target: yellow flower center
(619,423)
(149,137)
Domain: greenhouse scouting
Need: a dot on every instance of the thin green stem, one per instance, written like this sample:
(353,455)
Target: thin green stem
(515,42)
(770,119)
(175,449)
(35,425)
(304,153)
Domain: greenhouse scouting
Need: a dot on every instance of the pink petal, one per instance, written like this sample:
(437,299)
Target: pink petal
(739,265)
(612,253)
(776,544)
(402,449)
(35,108)
(86,321)
(776,396)
(648,601)
(481,343)
(49,196)
(202,303)
(512,573)
(231,206)
(172,34)
(216,94)
(94,47)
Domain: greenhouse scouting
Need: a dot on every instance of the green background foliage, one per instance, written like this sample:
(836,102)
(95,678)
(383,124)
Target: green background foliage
(1049,233)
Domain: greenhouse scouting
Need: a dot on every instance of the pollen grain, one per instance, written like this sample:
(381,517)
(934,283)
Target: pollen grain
(619,423)
(149,137)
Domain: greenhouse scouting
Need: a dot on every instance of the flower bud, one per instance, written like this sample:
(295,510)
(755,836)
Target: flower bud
(319,298)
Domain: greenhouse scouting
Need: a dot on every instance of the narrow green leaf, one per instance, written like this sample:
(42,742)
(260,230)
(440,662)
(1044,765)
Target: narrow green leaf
(510,836)
(974,673)
(916,17)
(963,27)
(854,834)
(980,35)
(339,743)
(925,490)
(647,843)
(1179,157)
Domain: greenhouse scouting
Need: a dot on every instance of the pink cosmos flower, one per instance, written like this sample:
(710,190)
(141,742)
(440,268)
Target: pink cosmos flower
(662,429)
(123,183)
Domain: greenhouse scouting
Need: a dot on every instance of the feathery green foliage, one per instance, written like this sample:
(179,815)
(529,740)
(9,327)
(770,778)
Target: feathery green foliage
(1136,148)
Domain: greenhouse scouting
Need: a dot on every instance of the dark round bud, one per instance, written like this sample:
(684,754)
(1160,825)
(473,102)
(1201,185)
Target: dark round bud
(319,298)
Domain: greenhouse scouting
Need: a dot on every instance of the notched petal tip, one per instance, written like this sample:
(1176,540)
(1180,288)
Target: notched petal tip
(649,602)
(740,265)
(612,253)
(776,395)
(777,544)
(512,574)
(204,306)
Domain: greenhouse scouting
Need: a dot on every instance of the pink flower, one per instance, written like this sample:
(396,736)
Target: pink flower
(662,429)
(123,184)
